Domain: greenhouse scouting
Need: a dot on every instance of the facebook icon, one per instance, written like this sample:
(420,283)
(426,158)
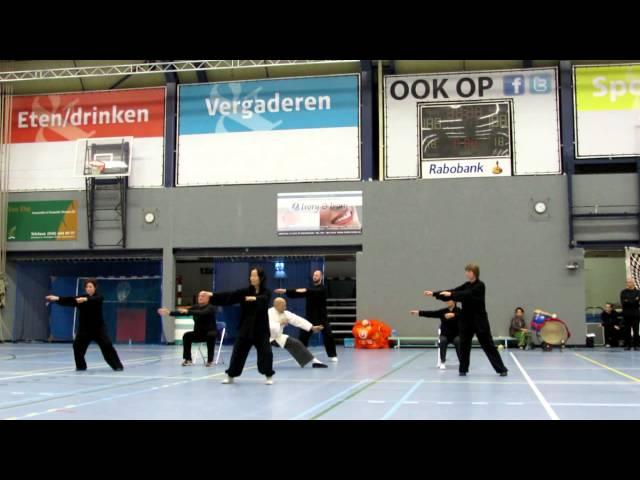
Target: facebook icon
(514,85)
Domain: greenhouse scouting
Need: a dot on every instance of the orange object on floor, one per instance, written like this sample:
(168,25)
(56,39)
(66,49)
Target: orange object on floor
(371,334)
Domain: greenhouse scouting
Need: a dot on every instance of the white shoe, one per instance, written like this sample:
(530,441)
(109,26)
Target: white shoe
(443,366)
(334,359)
(228,379)
(269,381)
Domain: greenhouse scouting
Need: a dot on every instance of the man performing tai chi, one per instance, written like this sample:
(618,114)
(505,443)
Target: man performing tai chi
(474,319)
(204,328)
(316,311)
(279,317)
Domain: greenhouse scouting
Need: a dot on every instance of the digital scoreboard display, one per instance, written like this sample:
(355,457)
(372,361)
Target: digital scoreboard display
(451,131)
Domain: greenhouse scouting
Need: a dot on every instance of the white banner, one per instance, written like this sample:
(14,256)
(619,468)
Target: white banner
(471,124)
(269,131)
(607,110)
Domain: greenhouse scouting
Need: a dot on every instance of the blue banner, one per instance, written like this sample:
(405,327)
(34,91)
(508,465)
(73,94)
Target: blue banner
(265,105)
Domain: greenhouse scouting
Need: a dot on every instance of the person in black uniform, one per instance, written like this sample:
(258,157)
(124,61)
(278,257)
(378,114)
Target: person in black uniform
(610,321)
(204,328)
(254,325)
(474,319)
(630,301)
(316,312)
(91,326)
(449,331)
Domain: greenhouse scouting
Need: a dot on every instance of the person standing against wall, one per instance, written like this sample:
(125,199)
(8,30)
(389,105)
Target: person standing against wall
(316,312)
(630,301)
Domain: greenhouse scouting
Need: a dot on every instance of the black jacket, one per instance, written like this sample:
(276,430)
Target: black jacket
(448,328)
(204,317)
(630,300)
(472,298)
(89,313)
(254,319)
(316,309)
(610,319)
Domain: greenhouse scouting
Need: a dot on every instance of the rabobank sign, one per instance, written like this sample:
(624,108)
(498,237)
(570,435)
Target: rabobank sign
(269,105)
(467,168)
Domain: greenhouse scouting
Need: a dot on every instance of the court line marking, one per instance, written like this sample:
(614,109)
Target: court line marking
(597,404)
(328,400)
(136,392)
(552,414)
(607,367)
(371,383)
(404,398)
(45,371)
(52,397)
(86,391)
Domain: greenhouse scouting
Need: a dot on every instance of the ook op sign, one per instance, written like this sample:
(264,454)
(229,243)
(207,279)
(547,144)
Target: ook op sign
(472,124)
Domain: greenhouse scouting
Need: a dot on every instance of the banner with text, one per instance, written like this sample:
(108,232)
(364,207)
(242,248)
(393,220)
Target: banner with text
(607,110)
(269,131)
(42,220)
(47,135)
(320,213)
(472,124)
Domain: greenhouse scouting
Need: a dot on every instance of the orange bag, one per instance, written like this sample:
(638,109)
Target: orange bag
(371,334)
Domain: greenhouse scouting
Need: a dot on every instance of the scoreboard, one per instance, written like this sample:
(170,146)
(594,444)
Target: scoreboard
(465,130)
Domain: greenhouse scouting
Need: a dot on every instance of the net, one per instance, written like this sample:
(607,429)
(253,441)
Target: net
(632,263)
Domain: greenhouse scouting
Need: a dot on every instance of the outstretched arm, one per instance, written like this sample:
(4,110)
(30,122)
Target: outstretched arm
(225,298)
(292,292)
(300,322)
(63,301)
(427,313)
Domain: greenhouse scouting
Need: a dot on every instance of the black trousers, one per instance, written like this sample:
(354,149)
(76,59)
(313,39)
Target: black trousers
(443,342)
(611,335)
(82,341)
(327,337)
(628,323)
(241,349)
(481,330)
(190,337)
(297,350)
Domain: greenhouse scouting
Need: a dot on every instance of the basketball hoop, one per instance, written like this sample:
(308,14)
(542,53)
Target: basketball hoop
(97,167)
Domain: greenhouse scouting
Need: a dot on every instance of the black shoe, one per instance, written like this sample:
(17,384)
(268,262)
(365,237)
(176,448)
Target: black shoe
(319,365)
(636,348)
(462,374)
(503,374)
(81,369)
(119,369)
(627,348)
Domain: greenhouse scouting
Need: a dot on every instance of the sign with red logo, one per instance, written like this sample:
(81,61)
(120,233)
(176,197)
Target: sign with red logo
(45,130)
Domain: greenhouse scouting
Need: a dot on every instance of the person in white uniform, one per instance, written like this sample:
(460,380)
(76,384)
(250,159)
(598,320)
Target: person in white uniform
(279,317)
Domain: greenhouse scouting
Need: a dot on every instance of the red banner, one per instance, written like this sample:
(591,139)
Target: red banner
(71,116)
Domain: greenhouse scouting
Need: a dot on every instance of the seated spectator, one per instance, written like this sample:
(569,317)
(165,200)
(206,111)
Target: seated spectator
(519,330)
(610,321)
